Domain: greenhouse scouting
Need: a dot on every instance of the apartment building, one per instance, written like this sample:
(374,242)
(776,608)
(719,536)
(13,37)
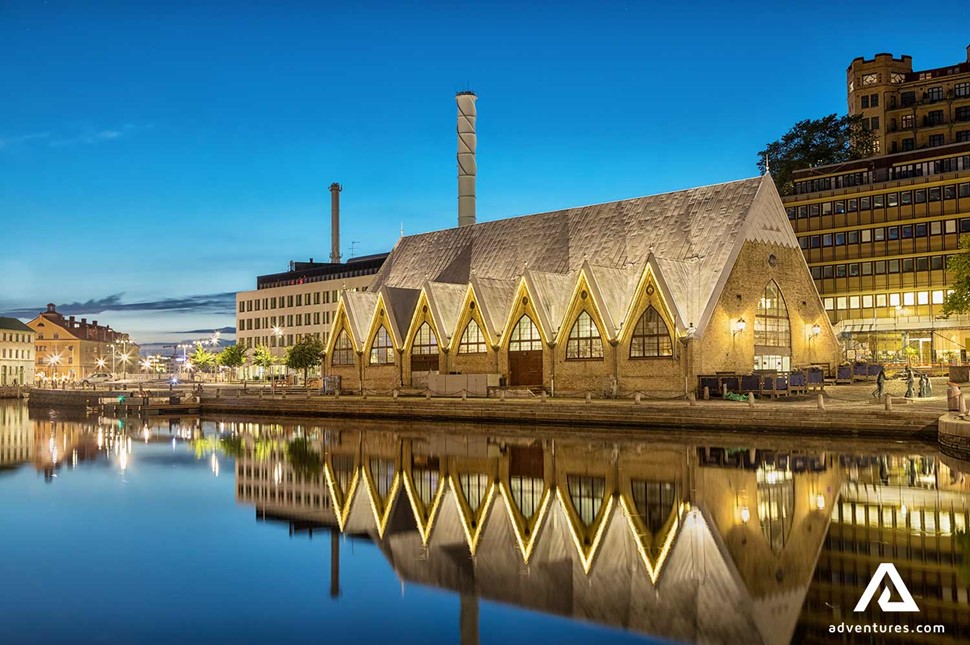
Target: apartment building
(910,110)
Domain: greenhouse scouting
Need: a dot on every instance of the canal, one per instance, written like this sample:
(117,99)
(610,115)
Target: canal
(243,530)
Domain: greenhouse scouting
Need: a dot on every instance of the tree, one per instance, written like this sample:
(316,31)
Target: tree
(203,359)
(957,301)
(263,357)
(232,356)
(306,354)
(816,142)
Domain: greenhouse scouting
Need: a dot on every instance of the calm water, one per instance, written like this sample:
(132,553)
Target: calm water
(240,531)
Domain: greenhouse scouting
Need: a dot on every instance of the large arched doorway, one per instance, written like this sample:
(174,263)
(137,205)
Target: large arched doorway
(772,332)
(525,354)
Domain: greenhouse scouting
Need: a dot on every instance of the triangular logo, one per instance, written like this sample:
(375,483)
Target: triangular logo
(887,569)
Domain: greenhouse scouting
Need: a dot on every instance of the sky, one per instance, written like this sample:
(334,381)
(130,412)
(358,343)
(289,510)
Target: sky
(155,157)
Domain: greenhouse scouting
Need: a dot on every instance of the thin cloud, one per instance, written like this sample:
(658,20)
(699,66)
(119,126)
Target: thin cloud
(92,137)
(23,138)
(215,303)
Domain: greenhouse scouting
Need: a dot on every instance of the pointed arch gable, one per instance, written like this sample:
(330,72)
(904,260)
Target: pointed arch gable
(473,520)
(586,538)
(380,318)
(649,293)
(425,511)
(423,315)
(526,530)
(576,306)
(342,496)
(523,303)
(341,323)
(381,502)
(471,309)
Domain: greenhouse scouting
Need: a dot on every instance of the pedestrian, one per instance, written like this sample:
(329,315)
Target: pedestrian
(910,382)
(880,383)
(924,381)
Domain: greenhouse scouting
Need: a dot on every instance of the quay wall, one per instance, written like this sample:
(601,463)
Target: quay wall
(954,434)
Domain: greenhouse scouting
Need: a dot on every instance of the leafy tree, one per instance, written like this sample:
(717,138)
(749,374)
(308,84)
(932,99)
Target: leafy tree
(304,458)
(306,354)
(203,359)
(232,356)
(816,142)
(263,357)
(958,300)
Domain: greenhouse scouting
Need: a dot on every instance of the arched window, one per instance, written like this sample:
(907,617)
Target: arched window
(425,342)
(381,351)
(473,340)
(651,336)
(343,351)
(525,336)
(584,340)
(772,332)
(776,505)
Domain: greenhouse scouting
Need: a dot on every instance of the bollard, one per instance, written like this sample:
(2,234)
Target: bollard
(238,393)
(691,399)
(723,389)
(821,403)
(589,397)
(308,394)
(363,394)
(750,399)
(707,393)
(543,396)
(501,395)
(464,395)
(217,393)
(889,403)
(260,392)
(427,395)
(636,399)
(282,393)
(395,394)
(336,393)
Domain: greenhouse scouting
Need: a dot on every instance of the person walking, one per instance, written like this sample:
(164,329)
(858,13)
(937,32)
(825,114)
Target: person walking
(910,382)
(880,383)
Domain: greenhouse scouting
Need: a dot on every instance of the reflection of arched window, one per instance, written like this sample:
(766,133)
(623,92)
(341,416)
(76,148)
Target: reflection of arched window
(382,472)
(473,487)
(343,351)
(381,352)
(473,340)
(584,339)
(425,342)
(343,470)
(772,332)
(527,494)
(651,336)
(776,503)
(654,501)
(586,494)
(525,336)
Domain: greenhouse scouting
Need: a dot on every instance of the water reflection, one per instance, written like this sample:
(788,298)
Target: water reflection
(693,538)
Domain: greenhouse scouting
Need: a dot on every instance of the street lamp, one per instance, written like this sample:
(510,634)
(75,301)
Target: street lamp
(125,359)
(278,333)
(53,360)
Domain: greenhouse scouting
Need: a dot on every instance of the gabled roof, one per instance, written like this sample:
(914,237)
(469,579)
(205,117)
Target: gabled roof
(444,301)
(613,290)
(359,306)
(12,324)
(400,303)
(494,297)
(552,291)
(693,236)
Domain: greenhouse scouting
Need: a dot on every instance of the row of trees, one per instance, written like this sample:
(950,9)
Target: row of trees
(305,355)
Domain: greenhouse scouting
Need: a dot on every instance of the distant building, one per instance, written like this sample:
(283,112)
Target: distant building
(638,295)
(910,110)
(877,234)
(67,348)
(287,306)
(16,353)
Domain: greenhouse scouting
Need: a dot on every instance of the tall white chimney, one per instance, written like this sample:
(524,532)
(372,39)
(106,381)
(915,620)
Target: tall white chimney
(467,142)
(335,222)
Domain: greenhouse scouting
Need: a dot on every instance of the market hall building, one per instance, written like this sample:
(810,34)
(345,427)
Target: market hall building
(640,295)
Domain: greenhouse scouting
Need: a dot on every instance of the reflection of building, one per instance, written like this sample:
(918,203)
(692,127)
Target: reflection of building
(911,511)
(910,110)
(694,544)
(75,349)
(16,352)
(877,234)
(16,436)
(642,294)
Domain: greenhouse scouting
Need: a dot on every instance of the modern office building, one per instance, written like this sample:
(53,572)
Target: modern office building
(16,353)
(70,349)
(877,234)
(910,110)
(287,306)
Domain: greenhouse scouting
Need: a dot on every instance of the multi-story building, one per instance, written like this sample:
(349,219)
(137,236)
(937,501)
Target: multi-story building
(910,110)
(16,352)
(287,306)
(877,234)
(71,349)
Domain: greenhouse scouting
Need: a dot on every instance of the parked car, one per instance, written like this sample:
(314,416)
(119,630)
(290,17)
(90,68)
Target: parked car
(97,377)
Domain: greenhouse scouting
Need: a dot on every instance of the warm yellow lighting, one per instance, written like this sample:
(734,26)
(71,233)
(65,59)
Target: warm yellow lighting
(745,514)
(820,502)
(740,326)
(816,329)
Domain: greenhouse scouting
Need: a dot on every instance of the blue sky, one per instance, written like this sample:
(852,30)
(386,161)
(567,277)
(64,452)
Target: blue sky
(156,155)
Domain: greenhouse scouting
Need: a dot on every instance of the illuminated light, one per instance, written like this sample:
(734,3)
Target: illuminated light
(74,459)
(816,329)
(173,443)
(654,568)
(145,432)
(100,438)
(903,510)
(820,502)
(745,514)
(123,462)
(278,473)
(740,325)
(129,445)
(215,465)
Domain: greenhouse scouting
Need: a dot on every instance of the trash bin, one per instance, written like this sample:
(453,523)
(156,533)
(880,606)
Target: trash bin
(953,397)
